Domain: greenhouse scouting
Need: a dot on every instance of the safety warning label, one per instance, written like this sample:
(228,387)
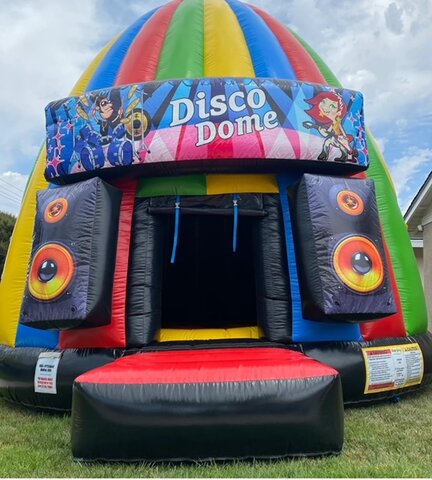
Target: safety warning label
(392,367)
(45,379)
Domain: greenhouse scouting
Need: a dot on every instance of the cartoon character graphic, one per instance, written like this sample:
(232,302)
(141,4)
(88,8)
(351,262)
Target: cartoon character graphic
(328,110)
(108,112)
(134,122)
(110,132)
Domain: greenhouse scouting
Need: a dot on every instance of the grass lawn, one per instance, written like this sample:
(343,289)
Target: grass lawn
(385,440)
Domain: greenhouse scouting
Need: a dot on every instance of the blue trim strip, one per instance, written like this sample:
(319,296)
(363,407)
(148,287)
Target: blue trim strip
(306,330)
(176,228)
(32,337)
(236,214)
(268,57)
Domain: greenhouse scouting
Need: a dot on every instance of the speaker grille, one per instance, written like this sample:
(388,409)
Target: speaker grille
(51,272)
(358,264)
(56,210)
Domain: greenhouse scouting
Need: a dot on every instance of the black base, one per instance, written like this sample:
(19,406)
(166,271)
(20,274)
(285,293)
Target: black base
(17,367)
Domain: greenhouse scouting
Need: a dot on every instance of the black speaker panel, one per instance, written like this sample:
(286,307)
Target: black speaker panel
(71,270)
(343,270)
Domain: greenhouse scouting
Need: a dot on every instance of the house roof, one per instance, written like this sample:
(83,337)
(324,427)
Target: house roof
(418,208)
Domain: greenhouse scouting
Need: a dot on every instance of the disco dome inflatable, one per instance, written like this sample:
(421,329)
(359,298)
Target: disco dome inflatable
(210,260)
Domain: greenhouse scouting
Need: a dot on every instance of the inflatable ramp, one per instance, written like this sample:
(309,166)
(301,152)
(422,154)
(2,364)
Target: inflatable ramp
(200,404)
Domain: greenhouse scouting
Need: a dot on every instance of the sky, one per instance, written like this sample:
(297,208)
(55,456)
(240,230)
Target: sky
(380,47)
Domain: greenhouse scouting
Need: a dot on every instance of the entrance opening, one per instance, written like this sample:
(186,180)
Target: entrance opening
(208,286)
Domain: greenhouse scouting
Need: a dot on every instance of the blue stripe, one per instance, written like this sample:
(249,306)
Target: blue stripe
(106,73)
(268,58)
(306,330)
(32,337)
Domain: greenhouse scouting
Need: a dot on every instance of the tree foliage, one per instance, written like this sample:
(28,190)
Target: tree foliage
(7,223)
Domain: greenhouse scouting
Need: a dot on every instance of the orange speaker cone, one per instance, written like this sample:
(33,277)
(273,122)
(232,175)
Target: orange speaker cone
(358,264)
(350,202)
(51,271)
(56,210)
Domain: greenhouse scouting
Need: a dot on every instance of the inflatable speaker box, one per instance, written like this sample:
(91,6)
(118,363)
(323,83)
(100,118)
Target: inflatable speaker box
(71,271)
(343,272)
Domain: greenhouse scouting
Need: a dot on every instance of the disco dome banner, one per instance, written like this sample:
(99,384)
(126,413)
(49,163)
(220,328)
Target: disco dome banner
(211,119)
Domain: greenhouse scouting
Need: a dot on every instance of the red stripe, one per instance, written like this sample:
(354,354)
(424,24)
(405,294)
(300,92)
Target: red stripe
(302,63)
(142,59)
(114,334)
(220,148)
(392,326)
(201,366)
(261,144)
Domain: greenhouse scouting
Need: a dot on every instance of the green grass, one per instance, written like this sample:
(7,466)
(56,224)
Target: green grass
(385,440)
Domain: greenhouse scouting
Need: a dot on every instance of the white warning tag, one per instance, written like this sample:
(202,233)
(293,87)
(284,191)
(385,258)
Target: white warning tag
(45,379)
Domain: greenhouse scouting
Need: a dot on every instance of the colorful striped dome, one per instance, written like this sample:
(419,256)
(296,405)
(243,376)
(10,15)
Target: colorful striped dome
(213,38)
(204,38)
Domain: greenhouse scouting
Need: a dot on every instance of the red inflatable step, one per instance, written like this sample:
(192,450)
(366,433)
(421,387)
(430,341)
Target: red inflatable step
(207,403)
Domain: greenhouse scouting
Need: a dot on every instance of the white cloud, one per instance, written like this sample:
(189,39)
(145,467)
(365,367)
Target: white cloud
(405,173)
(381,141)
(12,186)
(358,79)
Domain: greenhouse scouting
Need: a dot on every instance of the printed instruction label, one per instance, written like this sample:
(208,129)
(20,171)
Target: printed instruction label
(392,367)
(45,379)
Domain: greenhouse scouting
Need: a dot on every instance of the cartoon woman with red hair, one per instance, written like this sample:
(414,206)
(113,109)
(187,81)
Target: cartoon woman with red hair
(329,110)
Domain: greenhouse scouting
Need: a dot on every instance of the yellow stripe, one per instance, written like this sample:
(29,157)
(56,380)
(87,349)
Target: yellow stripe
(219,184)
(188,335)
(226,54)
(225,50)
(15,270)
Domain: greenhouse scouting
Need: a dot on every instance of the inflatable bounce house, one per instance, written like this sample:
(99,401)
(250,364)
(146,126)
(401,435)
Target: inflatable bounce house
(210,260)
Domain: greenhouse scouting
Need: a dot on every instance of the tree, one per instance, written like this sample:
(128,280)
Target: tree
(7,223)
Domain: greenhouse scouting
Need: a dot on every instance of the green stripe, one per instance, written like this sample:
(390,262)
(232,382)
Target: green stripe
(395,231)
(183,50)
(182,56)
(161,186)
